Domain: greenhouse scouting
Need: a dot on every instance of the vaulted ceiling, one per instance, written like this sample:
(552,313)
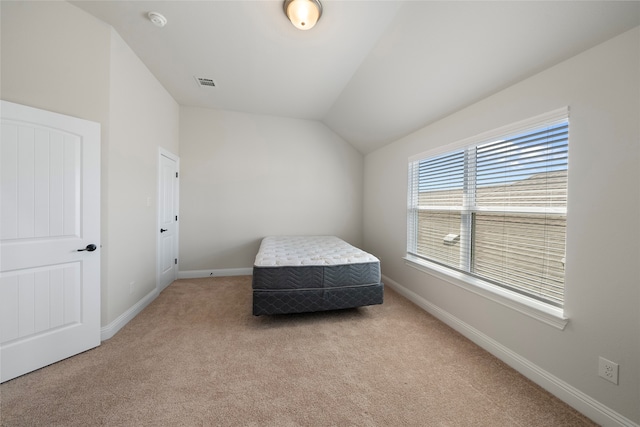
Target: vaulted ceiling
(372,71)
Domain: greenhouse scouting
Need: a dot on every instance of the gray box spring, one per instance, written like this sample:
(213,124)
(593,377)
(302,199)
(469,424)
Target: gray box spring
(310,288)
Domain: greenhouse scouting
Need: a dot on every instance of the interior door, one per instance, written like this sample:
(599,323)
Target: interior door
(49,238)
(167,219)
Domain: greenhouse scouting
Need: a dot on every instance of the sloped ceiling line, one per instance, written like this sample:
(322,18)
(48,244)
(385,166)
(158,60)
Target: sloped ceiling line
(372,71)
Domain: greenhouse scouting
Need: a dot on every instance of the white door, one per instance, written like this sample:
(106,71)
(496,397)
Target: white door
(49,218)
(167,219)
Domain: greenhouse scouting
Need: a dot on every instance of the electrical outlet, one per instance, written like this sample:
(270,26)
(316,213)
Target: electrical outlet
(608,370)
(132,287)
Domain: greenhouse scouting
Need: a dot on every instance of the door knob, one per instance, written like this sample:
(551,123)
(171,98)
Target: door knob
(89,248)
(162,230)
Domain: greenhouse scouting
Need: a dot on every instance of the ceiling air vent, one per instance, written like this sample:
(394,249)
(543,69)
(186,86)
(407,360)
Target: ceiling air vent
(202,82)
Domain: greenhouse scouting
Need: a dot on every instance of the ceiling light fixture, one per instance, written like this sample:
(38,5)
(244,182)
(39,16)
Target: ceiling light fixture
(303,14)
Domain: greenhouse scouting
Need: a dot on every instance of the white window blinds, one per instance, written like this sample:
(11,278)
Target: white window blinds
(496,209)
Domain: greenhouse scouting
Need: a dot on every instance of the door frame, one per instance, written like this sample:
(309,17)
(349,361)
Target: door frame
(166,153)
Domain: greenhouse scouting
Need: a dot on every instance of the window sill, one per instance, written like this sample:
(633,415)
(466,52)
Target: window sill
(540,311)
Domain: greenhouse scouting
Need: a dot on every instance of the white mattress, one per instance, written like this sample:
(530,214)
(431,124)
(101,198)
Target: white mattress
(289,251)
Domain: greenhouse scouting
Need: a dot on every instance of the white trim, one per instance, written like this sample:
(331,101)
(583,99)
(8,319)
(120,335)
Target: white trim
(107,332)
(198,274)
(575,398)
(538,310)
(542,119)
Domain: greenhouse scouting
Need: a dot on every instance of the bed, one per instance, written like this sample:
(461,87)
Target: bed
(297,274)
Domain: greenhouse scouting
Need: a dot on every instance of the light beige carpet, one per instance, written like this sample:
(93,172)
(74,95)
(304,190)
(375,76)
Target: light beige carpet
(197,357)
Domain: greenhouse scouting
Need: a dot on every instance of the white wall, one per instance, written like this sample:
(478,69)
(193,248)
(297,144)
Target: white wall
(248,176)
(602,88)
(143,116)
(59,58)
(47,64)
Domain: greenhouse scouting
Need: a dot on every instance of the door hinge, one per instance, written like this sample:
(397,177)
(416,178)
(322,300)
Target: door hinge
(176,217)
(176,261)
(176,174)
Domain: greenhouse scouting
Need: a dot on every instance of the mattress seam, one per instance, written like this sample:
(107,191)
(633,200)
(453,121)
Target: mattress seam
(317,289)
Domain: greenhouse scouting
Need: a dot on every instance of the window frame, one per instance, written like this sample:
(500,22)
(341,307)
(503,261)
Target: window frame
(527,305)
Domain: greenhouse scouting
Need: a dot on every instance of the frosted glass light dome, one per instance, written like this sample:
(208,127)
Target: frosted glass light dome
(303,14)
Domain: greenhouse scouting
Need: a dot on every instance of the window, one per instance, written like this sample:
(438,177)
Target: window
(494,207)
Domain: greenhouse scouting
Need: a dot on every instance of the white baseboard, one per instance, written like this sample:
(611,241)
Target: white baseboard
(198,274)
(112,328)
(583,403)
